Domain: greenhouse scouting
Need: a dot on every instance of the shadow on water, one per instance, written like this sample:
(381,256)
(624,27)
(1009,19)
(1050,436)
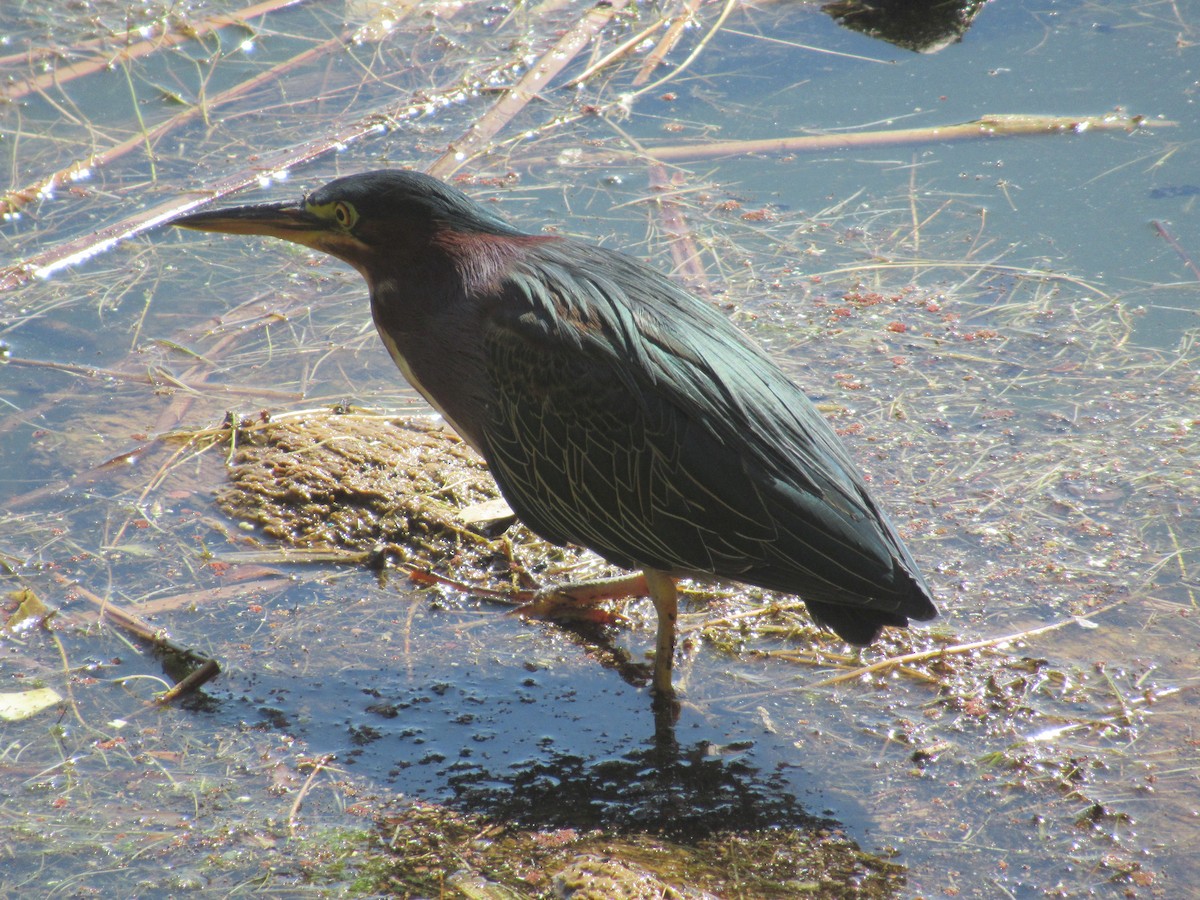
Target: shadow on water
(539,736)
(685,793)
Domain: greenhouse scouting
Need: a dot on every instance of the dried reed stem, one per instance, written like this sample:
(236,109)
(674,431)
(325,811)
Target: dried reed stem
(988,126)
(516,98)
(108,59)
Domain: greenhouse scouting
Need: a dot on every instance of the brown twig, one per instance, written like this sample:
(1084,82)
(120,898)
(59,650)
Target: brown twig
(207,668)
(1174,245)
(228,327)
(319,765)
(46,263)
(107,59)
(36,54)
(516,98)
(16,199)
(684,251)
(957,649)
(237,326)
(695,53)
(197,678)
(820,659)
(208,596)
(616,53)
(155,377)
(988,126)
(422,575)
(674,32)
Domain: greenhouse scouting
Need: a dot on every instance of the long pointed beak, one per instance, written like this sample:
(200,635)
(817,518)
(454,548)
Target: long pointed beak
(290,221)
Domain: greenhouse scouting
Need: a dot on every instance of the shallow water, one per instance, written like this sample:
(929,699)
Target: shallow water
(996,326)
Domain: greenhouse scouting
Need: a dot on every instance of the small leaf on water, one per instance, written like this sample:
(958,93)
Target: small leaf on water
(30,610)
(26,704)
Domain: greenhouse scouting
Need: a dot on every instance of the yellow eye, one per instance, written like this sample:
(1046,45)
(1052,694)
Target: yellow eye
(344,214)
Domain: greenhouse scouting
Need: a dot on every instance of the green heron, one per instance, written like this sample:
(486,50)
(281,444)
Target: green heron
(616,410)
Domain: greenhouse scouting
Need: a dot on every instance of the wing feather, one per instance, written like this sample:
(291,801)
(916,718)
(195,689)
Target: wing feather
(634,419)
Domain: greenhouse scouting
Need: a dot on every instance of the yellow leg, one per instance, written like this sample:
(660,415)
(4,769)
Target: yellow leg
(666,603)
(554,601)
